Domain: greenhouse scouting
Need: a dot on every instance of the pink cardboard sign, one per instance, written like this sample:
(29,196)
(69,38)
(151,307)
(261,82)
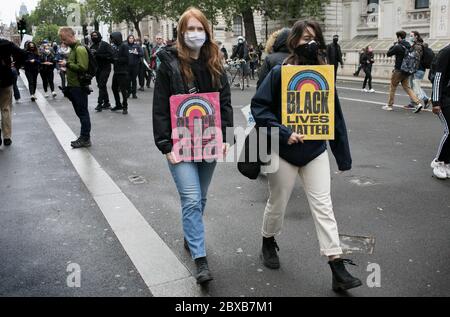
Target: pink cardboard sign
(196,126)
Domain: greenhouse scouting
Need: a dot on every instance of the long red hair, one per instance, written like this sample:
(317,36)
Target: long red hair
(208,53)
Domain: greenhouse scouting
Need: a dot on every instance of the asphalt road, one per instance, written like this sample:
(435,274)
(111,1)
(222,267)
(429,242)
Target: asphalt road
(389,194)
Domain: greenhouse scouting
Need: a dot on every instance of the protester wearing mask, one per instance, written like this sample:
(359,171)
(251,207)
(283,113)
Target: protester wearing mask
(241,52)
(120,78)
(32,63)
(334,55)
(47,68)
(134,59)
(194,65)
(103,53)
(308,159)
(62,55)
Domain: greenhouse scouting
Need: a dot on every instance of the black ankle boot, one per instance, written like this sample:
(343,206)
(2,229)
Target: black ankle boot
(203,274)
(342,279)
(269,253)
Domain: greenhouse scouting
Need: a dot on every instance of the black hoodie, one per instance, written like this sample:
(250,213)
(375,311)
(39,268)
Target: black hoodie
(280,53)
(399,50)
(8,50)
(120,54)
(103,52)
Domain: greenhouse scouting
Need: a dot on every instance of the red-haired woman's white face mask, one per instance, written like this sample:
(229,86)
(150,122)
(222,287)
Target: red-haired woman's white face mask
(195,36)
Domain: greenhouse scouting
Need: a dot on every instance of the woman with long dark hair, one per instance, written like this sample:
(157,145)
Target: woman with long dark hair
(32,64)
(193,66)
(308,159)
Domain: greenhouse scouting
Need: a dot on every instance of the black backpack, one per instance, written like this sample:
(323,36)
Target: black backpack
(411,61)
(428,57)
(86,78)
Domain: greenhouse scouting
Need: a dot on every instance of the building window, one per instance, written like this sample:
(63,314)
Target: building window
(237,25)
(372,6)
(422,4)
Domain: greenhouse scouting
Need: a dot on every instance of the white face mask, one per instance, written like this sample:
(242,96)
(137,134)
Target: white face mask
(195,40)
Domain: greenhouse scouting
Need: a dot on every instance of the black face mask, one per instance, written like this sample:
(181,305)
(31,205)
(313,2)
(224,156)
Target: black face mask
(308,51)
(96,39)
(335,41)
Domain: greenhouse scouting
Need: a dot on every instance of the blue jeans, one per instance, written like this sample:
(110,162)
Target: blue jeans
(415,82)
(192,181)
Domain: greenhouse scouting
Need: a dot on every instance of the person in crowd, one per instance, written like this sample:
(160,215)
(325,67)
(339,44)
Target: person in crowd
(192,66)
(8,52)
(399,50)
(159,45)
(441,107)
(417,46)
(62,55)
(120,80)
(103,53)
(253,61)
(144,68)
(77,89)
(307,159)
(134,59)
(32,68)
(425,63)
(367,62)
(276,50)
(334,54)
(241,52)
(47,69)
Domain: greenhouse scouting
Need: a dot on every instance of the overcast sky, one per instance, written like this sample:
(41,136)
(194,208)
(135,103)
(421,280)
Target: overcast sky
(10,7)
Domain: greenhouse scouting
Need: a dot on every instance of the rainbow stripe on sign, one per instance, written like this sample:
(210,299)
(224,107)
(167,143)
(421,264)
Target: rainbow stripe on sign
(308,77)
(195,104)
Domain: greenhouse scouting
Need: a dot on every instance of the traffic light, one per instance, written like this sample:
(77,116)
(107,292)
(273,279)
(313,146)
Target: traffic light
(22,26)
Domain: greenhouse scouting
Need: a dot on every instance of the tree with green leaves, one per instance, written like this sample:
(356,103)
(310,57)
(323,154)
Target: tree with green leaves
(46,31)
(130,11)
(51,12)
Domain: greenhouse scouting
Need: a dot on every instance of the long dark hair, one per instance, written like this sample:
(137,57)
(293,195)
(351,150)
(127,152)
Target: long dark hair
(417,35)
(35,50)
(295,36)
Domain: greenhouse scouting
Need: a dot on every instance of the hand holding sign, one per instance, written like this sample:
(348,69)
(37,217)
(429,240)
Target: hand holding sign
(296,138)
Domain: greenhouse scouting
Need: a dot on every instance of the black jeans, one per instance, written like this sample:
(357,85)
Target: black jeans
(368,78)
(79,98)
(32,80)
(133,71)
(444,147)
(15,88)
(63,79)
(120,85)
(47,76)
(102,77)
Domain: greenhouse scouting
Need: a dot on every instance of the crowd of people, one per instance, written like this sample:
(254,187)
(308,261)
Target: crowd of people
(195,64)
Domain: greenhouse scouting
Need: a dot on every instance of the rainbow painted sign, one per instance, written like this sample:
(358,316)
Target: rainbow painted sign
(196,126)
(308,100)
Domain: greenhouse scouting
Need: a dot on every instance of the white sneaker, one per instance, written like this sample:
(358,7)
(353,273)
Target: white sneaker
(46,95)
(365,90)
(435,163)
(53,94)
(440,171)
(418,108)
(388,108)
(372,90)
